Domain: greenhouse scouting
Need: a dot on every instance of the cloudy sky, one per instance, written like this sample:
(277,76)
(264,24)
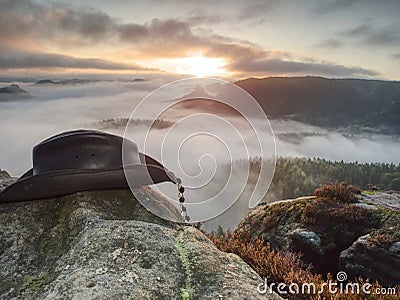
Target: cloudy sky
(232,39)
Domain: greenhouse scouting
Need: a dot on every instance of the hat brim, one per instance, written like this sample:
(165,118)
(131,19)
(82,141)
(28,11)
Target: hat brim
(63,182)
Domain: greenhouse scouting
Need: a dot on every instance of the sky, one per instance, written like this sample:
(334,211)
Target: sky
(225,39)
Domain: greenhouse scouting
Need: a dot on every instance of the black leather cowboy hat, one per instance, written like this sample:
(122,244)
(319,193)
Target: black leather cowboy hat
(83,160)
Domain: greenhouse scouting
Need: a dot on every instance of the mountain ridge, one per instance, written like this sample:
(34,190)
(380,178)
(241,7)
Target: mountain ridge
(328,102)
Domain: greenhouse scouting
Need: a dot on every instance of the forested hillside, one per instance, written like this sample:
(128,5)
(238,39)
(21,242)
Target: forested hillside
(329,102)
(295,177)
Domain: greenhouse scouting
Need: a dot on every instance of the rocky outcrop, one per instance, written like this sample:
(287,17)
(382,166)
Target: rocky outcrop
(105,245)
(388,199)
(5,179)
(304,239)
(362,238)
(368,258)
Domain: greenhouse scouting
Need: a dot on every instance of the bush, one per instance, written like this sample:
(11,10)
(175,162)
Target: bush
(269,222)
(377,238)
(339,193)
(330,213)
(281,266)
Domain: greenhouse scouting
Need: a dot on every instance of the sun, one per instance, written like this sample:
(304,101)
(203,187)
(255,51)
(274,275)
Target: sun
(200,66)
(197,65)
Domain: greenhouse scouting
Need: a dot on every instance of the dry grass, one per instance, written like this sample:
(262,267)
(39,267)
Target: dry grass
(331,212)
(282,266)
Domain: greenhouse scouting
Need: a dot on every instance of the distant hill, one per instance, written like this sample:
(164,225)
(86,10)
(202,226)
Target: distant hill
(202,102)
(46,81)
(329,102)
(137,80)
(66,81)
(12,89)
(12,92)
(76,81)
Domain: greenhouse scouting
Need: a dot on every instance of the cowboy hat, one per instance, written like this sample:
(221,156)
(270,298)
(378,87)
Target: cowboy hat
(84,160)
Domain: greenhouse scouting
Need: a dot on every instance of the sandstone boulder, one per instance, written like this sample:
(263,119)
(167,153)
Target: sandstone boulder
(105,245)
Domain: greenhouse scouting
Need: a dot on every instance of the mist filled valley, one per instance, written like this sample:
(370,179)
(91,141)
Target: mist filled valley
(52,108)
(306,145)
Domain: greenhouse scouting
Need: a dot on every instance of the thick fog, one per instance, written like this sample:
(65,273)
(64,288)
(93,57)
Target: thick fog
(297,139)
(50,109)
(54,108)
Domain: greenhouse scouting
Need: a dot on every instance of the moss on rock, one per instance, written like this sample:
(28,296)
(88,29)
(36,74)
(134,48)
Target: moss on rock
(338,224)
(36,283)
(105,244)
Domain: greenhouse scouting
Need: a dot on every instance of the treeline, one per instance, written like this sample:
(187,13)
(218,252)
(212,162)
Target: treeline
(295,177)
(117,123)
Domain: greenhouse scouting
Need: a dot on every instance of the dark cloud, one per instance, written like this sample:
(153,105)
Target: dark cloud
(90,24)
(251,59)
(383,37)
(258,9)
(331,43)
(332,6)
(369,35)
(28,22)
(360,30)
(12,58)
(39,25)
(345,36)
(253,12)
(200,15)
(278,66)
(366,34)
(372,8)
(156,31)
(396,55)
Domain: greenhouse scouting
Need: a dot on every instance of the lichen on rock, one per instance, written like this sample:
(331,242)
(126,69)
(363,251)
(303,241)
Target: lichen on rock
(104,244)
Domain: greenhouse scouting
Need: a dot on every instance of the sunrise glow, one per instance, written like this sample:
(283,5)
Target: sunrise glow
(200,38)
(199,66)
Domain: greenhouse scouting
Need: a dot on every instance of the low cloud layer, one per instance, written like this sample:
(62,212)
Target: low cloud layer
(301,140)
(27,121)
(12,58)
(55,108)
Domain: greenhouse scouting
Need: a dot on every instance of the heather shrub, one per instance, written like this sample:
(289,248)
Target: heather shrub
(282,266)
(269,222)
(339,193)
(377,238)
(338,224)
(320,213)
(335,218)
(277,266)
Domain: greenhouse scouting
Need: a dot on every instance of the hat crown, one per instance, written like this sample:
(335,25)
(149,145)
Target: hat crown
(80,150)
